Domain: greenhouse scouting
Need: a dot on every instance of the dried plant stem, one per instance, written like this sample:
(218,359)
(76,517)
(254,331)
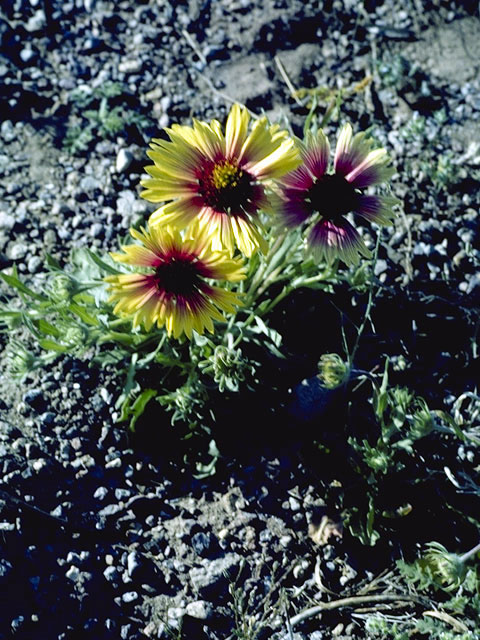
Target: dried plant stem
(355,601)
(288,82)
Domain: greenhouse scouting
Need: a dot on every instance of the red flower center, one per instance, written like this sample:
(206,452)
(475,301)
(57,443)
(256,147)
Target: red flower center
(225,187)
(332,196)
(178,275)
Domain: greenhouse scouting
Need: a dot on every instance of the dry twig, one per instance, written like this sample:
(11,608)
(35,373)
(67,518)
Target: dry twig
(354,601)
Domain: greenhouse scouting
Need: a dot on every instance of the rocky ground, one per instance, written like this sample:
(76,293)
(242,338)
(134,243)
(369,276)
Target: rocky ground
(99,540)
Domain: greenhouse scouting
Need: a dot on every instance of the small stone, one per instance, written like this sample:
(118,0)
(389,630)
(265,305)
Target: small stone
(212,579)
(123,161)
(100,493)
(150,630)
(7,131)
(199,609)
(130,596)
(116,463)
(110,624)
(134,562)
(380,267)
(126,204)
(130,66)
(34,264)
(89,184)
(122,494)
(73,573)
(7,221)
(203,543)
(18,251)
(285,540)
(294,503)
(5,570)
(7,526)
(37,22)
(111,574)
(176,613)
(17,624)
(96,230)
(27,55)
(38,465)
(110,510)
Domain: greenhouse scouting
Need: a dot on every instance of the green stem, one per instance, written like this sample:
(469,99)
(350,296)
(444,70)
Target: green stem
(277,258)
(366,317)
(469,554)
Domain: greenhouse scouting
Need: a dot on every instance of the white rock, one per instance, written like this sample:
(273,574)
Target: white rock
(37,22)
(39,464)
(130,66)
(6,220)
(199,609)
(73,573)
(123,161)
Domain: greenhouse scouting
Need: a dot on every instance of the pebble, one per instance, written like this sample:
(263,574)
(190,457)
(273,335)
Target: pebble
(7,221)
(129,597)
(116,463)
(199,609)
(37,22)
(27,55)
(202,543)
(17,623)
(126,204)
(96,230)
(130,66)
(111,574)
(123,161)
(110,510)
(134,562)
(18,251)
(34,264)
(122,494)
(73,573)
(7,131)
(39,464)
(100,493)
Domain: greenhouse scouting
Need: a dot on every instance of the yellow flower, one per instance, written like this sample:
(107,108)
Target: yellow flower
(218,179)
(172,287)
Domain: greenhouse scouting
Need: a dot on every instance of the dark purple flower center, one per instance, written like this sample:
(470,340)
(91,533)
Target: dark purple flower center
(225,187)
(178,276)
(332,196)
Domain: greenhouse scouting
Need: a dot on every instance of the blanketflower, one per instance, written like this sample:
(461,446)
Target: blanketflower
(219,179)
(320,200)
(171,287)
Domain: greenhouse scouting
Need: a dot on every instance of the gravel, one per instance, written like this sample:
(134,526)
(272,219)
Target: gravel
(99,539)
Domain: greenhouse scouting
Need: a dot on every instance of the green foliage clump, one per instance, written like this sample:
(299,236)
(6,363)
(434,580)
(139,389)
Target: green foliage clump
(94,116)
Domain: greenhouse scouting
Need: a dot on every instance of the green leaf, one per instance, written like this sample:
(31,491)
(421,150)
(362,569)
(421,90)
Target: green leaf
(102,264)
(82,313)
(382,395)
(373,535)
(138,407)
(13,281)
(50,345)
(126,339)
(47,328)
(52,263)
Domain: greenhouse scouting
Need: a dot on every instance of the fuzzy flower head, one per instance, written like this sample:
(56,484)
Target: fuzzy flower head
(173,285)
(218,179)
(314,197)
